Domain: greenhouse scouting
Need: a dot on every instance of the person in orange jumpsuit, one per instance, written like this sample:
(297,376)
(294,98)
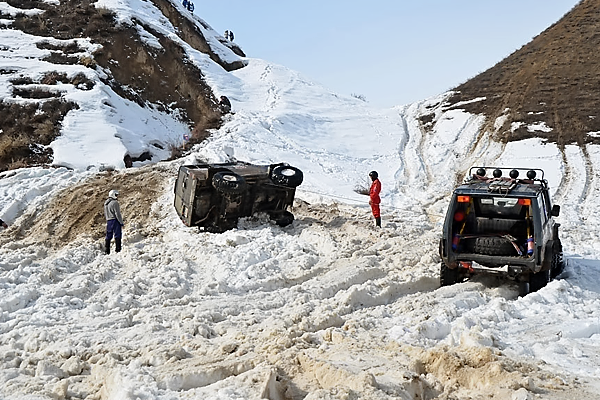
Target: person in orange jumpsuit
(374,199)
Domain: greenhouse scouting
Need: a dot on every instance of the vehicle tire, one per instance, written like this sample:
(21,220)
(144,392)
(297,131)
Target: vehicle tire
(283,218)
(448,276)
(539,280)
(229,182)
(558,263)
(494,246)
(286,175)
(523,288)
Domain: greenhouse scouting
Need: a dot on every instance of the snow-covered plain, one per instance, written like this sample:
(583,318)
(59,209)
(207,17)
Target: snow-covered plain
(327,308)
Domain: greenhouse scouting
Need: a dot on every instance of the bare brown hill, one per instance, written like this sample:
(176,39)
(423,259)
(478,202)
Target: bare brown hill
(554,79)
(163,79)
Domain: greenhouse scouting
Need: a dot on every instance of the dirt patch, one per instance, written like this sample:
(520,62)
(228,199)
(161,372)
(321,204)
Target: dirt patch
(554,79)
(166,79)
(464,371)
(27,128)
(78,211)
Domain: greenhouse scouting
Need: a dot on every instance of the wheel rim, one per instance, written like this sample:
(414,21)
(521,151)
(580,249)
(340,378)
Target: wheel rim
(230,178)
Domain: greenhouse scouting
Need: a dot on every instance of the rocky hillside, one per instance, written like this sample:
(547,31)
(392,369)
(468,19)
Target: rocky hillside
(550,84)
(158,76)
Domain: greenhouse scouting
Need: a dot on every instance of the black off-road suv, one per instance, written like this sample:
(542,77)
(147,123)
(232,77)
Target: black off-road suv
(214,196)
(502,225)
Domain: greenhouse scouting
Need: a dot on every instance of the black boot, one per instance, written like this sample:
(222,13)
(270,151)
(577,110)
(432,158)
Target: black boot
(378,221)
(107,246)
(117,245)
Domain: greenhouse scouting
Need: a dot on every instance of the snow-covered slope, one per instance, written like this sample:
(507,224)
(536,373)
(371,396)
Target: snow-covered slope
(327,308)
(102,126)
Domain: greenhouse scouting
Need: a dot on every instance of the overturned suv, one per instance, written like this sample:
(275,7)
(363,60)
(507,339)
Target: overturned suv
(214,196)
(502,225)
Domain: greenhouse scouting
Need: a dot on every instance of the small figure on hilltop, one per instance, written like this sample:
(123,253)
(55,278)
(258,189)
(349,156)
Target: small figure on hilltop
(225,104)
(190,6)
(185,3)
(374,199)
(3,224)
(114,221)
(231,36)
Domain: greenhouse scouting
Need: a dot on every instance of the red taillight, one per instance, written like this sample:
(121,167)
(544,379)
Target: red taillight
(466,265)
(463,199)
(459,216)
(524,202)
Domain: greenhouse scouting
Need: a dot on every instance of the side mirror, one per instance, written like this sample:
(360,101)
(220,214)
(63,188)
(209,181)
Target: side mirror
(555,210)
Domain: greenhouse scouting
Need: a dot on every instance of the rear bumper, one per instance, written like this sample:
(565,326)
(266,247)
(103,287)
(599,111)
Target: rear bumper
(493,265)
(509,271)
(497,261)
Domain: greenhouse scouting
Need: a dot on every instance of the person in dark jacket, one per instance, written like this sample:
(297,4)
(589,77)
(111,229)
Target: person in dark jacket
(114,221)
(3,224)
(374,198)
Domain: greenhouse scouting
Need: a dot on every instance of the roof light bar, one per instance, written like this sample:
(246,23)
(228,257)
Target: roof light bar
(498,172)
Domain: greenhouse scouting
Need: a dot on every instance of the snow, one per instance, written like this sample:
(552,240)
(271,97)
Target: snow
(326,308)
(539,127)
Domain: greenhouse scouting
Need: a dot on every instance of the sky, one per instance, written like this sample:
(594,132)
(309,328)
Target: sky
(326,308)
(391,52)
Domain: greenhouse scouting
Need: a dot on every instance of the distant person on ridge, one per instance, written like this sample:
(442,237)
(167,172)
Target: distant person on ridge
(231,36)
(114,221)
(3,224)
(374,199)
(227,34)
(190,6)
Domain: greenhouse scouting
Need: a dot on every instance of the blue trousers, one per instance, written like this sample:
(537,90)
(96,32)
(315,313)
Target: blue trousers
(113,227)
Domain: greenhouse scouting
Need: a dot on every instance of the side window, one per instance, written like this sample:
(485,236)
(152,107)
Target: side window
(543,207)
(548,204)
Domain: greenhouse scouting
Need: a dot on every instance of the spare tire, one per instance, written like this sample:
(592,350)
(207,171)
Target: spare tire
(494,246)
(229,182)
(287,175)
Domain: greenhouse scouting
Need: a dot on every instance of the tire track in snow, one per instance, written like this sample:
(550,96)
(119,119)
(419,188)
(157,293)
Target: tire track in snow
(571,193)
(401,174)
(413,162)
(586,195)
(566,178)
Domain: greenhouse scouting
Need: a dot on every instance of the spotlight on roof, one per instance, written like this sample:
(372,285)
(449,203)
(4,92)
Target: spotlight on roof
(480,172)
(531,174)
(514,174)
(497,173)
